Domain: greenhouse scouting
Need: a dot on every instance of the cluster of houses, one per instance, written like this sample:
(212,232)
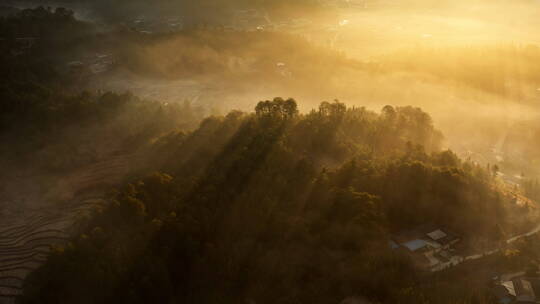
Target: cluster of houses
(360,4)
(260,20)
(250,19)
(241,20)
(519,288)
(96,64)
(429,247)
(149,26)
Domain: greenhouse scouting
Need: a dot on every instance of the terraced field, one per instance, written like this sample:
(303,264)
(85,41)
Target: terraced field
(26,239)
(27,236)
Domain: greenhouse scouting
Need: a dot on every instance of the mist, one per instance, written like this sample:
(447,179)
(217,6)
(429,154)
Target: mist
(470,61)
(262,148)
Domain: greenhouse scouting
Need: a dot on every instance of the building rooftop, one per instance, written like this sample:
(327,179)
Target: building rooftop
(437,234)
(520,289)
(415,245)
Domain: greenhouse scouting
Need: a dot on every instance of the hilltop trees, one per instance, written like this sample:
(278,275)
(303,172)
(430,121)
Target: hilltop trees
(277,108)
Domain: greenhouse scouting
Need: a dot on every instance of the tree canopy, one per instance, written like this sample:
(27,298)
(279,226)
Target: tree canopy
(274,207)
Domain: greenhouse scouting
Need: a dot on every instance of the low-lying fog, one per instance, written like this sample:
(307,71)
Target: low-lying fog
(473,65)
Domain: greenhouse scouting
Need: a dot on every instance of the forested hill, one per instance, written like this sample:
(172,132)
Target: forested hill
(275,207)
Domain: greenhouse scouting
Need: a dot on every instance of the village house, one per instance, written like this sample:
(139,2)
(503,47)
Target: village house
(519,290)
(429,246)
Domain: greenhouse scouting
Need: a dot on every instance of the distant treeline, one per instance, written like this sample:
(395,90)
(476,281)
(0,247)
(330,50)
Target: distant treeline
(202,11)
(45,129)
(54,25)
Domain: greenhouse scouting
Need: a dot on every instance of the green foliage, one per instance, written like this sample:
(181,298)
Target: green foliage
(41,23)
(277,109)
(272,207)
(44,126)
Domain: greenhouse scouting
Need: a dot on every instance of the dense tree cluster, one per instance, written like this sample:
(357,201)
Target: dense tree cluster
(47,129)
(273,207)
(34,46)
(38,22)
(45,27)
(46,120)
